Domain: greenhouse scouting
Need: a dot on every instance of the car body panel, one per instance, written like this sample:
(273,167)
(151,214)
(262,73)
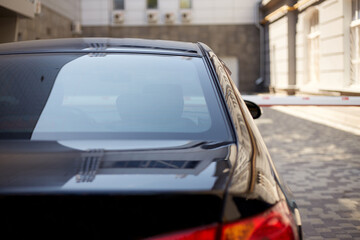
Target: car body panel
(163,186)
(98,45)
(263,181)
(185,166)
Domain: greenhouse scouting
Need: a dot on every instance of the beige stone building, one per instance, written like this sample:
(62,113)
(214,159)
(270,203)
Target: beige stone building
(312,46)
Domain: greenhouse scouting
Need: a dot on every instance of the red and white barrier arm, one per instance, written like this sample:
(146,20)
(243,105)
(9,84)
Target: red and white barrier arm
(268,100)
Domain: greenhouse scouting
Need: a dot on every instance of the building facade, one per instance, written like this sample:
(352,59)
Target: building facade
(229,27)
(34,19)
(312,46)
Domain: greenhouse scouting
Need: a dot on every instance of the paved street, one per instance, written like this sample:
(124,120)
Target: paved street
(321,165)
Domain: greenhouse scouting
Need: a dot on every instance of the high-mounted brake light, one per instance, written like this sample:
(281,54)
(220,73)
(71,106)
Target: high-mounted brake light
(276,223)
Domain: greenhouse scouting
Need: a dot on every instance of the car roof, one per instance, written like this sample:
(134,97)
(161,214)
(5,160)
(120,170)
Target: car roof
(107,45)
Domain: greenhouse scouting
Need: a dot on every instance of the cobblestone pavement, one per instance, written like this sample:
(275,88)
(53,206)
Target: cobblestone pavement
(321,165)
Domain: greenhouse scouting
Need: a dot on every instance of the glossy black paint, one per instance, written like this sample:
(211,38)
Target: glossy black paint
(101,45)
(229,180)
(262,182)
(125,216)
(34,167)
(254,109)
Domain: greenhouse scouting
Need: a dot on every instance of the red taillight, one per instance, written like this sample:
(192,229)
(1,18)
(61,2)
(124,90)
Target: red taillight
(207,233)
(276,223)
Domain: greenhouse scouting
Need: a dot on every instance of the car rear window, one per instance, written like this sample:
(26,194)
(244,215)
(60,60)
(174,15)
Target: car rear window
(108,96)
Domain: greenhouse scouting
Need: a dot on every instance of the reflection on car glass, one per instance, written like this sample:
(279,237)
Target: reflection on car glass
(151,164)
(26,82)
(171,95)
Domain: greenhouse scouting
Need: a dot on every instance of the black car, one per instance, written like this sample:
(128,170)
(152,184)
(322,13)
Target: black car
(139,139)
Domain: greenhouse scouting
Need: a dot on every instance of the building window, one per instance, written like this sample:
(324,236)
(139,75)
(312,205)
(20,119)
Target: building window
(313,47)
(355,43)
(151,4)
(119,4)
(185,4)
(355,6)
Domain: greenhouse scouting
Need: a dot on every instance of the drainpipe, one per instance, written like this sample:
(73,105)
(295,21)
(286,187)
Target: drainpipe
(257,15)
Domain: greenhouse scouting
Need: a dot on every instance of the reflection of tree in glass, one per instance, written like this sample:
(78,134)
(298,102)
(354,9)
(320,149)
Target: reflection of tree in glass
(152,4)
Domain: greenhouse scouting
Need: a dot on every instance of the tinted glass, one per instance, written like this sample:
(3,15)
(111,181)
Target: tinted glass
(25,85)
(116,96)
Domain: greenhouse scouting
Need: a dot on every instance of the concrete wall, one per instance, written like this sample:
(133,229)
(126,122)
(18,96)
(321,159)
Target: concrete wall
(99,12)
(70,9)
(49,24)
(266,56)
(19,21)
(332,65)
(9,12)
(278,45)
(8,28)
(301,56)
(230,41)
(21,7)
(96,12)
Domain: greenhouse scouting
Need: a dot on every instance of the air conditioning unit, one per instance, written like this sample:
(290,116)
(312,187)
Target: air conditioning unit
(37,7)
(152,17)
(169,18)
(76,27)
(118,17)
(185,16)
